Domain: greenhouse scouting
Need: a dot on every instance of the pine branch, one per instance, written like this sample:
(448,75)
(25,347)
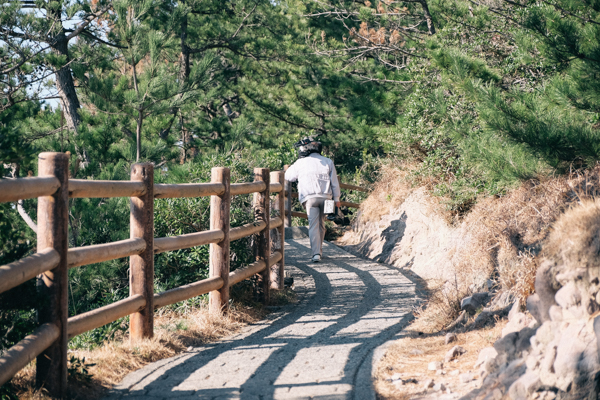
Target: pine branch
(84,24)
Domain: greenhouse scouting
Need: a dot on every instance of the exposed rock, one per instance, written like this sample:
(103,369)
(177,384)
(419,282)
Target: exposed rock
(597,332)
(428,384)
(395,377)
(453,353)
(507,344)
(472,303)
(557,353)
(545,289)
(545,395)
(435,365)
(519,321)
(399,239)
(466,377)
(486,356)
(482,319)
(525,386)
(514,310)
(504,300)
(450,337)
(439,387)
(416,352)
(462,318)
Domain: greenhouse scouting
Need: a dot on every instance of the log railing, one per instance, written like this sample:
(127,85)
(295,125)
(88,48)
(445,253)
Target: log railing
(53,257)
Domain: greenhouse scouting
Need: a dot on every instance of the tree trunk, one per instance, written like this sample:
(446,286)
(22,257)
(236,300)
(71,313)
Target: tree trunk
(64,79)
(184,74)
(138,134)
(428,18)
(184,57)
(65,83)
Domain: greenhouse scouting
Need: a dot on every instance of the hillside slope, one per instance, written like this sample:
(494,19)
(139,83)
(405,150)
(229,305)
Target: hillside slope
(496,248)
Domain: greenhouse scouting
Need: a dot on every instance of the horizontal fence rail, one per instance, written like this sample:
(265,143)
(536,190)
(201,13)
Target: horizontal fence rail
(27,350)
(104,315)
(246,188)
(96,253)
(80,188)
(27,188)
(21,271)
(353,187)
(343,203)
(49,341)
(244,273)
(167,191)
(246,230)
(186,241)
(186,292)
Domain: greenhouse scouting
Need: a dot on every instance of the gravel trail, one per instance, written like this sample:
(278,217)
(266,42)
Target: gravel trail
(323,347)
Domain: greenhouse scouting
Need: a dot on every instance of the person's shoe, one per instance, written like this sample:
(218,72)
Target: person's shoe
(316,258)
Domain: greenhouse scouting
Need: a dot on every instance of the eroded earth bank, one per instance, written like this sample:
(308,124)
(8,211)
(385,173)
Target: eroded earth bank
(512,287)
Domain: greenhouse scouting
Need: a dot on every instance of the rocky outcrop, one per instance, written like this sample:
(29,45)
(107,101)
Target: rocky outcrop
(553,352)
(415,236)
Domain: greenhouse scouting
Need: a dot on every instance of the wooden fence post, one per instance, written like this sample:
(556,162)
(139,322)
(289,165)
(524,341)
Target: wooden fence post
(141,267)
(262,212)
(53,285)
(219,252)
(287,222)
(277,270)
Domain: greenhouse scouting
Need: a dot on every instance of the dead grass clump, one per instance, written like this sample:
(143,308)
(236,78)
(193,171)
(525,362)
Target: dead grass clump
(391,189)
(507,233)
(575,238)
(441,308)
(173,334)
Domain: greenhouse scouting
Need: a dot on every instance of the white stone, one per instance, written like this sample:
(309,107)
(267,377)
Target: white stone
(453,353)
(474,302)
(523,387)
(439,387)
(450,337)
(488,353)
(435,365)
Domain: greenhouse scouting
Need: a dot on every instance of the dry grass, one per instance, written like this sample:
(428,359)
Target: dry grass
(395,183)
(410,356)
(504,237)
(503,240)
(501,236)
(575,238)
(174,333)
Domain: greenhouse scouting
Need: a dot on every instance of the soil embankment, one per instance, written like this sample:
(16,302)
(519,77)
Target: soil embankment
(494,249)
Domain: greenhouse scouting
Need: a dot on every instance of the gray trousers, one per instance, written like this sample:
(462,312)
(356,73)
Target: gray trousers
(316,223)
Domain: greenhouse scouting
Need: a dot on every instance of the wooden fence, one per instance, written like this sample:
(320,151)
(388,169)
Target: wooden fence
(53,259)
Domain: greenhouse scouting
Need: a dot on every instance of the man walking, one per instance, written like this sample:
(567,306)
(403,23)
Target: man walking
(317,182)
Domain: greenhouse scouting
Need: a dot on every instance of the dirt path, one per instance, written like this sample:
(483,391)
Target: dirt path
(323,347)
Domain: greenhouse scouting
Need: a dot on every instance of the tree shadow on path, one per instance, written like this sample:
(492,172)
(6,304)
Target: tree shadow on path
(320,348)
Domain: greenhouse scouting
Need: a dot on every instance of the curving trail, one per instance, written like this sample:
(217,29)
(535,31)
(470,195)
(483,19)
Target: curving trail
(323,347)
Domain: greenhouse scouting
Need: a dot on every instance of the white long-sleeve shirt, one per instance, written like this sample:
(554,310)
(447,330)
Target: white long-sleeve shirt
(316,176)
